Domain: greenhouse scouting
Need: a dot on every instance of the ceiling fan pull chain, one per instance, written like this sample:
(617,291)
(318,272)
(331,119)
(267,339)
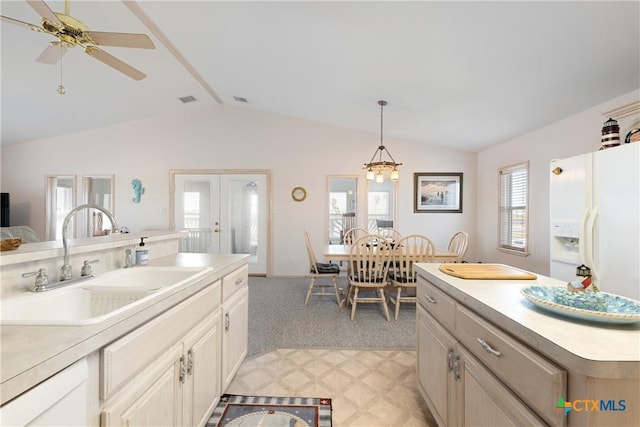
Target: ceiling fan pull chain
(61,90)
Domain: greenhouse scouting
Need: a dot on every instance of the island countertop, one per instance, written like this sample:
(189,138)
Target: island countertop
(594,349)
(31,353)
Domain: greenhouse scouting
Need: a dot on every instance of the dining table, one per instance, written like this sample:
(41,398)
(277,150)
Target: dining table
(342,252)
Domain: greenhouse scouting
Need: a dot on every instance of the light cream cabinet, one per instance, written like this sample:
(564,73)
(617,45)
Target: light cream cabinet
(435,348)
(458,388)
(235,312)
(201,387)
(471,373)
(167,372)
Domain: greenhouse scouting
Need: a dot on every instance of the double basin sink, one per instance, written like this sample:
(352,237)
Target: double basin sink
(99,298)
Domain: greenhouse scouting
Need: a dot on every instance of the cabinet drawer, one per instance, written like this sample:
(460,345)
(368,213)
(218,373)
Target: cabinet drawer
(130,354)
(536,380)
(232,282)
(437,303)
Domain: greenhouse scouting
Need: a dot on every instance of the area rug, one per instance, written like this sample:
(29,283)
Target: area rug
(244,411)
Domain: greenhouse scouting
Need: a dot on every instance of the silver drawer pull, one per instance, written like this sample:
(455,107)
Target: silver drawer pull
(429,299)
(488,348)
(239,280)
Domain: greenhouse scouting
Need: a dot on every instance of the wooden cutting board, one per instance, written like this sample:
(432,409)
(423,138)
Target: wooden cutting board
(486,271)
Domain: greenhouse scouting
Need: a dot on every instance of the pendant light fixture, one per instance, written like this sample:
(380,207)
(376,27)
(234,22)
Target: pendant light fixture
(376,168)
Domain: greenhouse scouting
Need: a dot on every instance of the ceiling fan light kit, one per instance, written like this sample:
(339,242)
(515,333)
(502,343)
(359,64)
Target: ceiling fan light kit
(70,32)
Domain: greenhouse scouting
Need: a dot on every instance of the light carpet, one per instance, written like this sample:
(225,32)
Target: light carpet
(278,318)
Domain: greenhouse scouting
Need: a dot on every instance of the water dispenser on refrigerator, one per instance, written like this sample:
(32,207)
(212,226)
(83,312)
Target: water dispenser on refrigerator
(565,242)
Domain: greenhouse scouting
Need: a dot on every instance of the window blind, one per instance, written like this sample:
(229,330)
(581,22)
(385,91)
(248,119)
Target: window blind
(514,211)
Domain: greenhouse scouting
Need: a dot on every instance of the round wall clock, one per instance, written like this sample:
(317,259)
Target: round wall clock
(298,194)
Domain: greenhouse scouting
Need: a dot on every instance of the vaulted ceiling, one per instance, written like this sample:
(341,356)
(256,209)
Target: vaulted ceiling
(460,74)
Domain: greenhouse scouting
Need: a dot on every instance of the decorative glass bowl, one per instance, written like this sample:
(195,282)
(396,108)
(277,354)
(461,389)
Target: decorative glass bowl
(594,306)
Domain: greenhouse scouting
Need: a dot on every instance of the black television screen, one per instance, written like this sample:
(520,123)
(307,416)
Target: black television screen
(4,210)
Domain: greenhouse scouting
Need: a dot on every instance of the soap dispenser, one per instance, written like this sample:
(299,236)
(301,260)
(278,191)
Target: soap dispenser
(142,253)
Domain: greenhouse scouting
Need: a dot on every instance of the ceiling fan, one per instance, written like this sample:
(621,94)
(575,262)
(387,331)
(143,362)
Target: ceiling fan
(70,32)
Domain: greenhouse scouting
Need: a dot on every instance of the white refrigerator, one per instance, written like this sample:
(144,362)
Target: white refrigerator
(595,218)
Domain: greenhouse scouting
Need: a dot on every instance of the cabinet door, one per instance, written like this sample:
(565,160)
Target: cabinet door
(201,390)
(155,403)
(485,401)
(235,336)
(434,348)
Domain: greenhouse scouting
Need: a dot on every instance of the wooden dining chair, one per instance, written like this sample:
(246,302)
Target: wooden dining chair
(321,271)
(459,243)
(354,234)
(391,233)
(368,266)
(348,222)
(406,253)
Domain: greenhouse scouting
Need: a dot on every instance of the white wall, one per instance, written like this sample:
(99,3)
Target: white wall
(574,135)
(299,153)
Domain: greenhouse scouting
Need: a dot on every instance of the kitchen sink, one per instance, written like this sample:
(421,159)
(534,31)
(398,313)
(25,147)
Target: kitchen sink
(97,299)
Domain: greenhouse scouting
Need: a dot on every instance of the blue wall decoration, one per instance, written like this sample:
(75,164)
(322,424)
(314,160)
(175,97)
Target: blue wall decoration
(138,189)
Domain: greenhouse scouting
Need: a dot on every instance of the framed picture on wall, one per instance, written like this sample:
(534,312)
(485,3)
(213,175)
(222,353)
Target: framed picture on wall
(437,192)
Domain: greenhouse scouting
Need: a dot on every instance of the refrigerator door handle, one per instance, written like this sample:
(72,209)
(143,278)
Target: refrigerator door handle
(591,228)
(583,245)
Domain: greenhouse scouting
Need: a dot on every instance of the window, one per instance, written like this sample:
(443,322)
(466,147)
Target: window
(60,200)
(514,210)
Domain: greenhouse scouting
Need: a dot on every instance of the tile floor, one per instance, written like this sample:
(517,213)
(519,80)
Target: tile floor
(371,388)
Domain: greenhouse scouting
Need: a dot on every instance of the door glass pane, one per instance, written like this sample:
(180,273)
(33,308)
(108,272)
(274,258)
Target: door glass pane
(243,218)
(342,206)
(193,212)
(380,204)
(191,209)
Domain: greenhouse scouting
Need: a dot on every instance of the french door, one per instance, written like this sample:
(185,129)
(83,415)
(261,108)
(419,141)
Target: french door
(223,213)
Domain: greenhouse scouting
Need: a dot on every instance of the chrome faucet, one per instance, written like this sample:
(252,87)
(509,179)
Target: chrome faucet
(65,270)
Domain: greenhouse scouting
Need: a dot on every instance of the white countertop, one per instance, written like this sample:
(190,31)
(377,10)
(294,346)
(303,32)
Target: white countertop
(595,349)
(30,354)
(54,249)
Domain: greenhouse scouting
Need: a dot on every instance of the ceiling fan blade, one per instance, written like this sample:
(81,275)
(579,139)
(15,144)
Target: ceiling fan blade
(115,63)
(21,23)
(52,54)
(102,38)
(44,11)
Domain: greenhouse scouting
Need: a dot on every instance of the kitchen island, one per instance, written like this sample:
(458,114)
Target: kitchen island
(487,355)
(31,354)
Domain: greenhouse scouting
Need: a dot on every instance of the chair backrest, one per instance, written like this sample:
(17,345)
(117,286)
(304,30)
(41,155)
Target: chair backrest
(348,222)
(369,259)
(312,255)
(354,234)
(390,233)
(458,244)
(408,251)
(384,223)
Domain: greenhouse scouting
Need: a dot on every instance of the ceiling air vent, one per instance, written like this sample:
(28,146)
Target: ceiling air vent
(187,99)
(240,99)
